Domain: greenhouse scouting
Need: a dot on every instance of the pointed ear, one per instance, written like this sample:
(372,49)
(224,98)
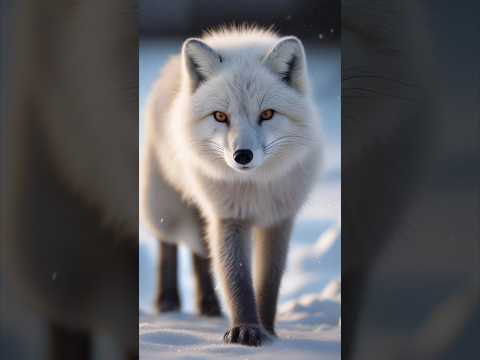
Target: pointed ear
(287,59)
(200,60)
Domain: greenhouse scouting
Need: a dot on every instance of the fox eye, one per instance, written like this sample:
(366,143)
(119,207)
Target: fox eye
(220,116)
(266,114)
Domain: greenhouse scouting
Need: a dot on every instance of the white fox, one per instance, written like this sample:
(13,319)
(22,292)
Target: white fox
(231,150)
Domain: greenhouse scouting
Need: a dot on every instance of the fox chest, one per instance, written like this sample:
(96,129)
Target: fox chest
(262,205)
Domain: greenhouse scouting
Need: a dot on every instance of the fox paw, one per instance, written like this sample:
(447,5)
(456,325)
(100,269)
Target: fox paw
(209,307)
(168,303)
(210,310)
(251,335)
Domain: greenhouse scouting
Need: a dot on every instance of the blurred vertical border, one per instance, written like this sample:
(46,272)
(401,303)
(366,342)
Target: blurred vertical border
(68,272)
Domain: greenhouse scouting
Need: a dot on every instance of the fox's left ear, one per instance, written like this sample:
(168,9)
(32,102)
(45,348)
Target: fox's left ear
(287,59)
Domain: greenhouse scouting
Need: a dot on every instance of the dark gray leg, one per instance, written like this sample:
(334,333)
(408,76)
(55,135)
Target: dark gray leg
(232,263)
(271,256)
(69,344)
(167,291)
(132,356)
(206,299)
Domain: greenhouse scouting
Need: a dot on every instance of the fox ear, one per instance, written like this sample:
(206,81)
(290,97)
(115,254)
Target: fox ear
(200,60)
(287,59)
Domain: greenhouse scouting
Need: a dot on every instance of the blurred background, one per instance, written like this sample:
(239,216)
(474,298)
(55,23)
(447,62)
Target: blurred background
(163,28)
(305,18)
(69,111)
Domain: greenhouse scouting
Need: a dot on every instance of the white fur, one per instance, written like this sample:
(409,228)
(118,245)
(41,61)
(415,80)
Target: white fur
(188,159)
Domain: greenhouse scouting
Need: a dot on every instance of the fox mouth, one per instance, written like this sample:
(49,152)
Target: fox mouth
(242,168)
(245,167)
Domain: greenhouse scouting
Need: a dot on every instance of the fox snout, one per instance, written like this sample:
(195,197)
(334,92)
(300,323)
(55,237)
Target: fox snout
(244,159)
(245,148)
(243,156)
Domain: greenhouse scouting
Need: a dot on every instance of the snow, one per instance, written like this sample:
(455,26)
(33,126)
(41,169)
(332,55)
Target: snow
(308,320)
(185,336)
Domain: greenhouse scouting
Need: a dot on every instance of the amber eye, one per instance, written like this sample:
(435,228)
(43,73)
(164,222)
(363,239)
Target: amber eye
(266,115)
(220,116)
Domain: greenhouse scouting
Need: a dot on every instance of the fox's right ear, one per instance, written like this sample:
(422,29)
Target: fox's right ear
(200,60)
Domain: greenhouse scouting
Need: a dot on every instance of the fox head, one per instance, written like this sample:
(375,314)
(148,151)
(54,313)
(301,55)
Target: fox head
(250,109)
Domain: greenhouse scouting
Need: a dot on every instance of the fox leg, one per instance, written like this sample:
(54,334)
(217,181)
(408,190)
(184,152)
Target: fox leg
(230,252)
(271,254)
(66,343)
(167,298)
(206,298)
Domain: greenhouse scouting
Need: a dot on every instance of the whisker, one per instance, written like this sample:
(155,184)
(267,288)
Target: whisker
(294,139)
(284,144)
(209,144)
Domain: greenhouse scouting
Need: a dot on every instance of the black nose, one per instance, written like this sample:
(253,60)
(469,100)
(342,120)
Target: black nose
(243,156)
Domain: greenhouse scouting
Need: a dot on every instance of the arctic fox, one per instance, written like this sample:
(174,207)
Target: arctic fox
(231,151)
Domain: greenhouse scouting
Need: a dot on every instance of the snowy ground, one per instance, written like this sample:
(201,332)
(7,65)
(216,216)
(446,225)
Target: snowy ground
(309,312)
